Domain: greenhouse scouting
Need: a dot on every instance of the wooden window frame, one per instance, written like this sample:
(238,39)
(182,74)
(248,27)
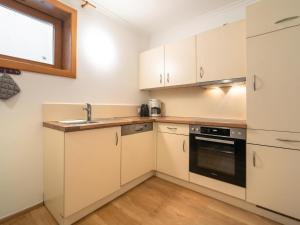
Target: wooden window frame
(64,20)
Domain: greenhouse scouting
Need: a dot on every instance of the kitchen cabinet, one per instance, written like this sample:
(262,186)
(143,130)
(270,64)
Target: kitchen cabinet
(92,166)
(138,155)
(273,81)
(81,168)
(271,15)
(173,154)
(151,68)
(273,179)
(221,53)
(180,62)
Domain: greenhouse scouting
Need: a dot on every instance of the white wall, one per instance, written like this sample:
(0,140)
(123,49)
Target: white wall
(110,78)
(232,12)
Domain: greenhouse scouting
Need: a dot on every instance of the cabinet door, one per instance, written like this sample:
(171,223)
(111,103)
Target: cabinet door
(273,179)
(270,15)
(222,53)
(273,84)
(180,62)
(137,156)
(92,166)
(152,68)
(173,155)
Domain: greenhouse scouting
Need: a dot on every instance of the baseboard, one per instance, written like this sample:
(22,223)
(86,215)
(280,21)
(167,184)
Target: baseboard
(229,200)
(21,212)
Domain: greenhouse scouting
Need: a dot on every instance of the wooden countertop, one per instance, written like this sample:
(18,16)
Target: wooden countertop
(112,122)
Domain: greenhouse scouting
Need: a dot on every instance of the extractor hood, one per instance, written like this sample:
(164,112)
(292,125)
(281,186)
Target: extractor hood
(222,83)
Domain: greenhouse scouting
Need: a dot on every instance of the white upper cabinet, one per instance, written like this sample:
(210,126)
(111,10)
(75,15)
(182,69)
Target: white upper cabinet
(217,54)
(222,53)
(270,15)
(273,84)
(180,62)
(152,68)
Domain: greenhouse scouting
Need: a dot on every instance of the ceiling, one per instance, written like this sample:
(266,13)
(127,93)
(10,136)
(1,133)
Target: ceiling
(153,16)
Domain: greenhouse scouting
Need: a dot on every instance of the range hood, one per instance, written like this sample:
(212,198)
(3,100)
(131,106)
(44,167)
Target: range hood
(222,83)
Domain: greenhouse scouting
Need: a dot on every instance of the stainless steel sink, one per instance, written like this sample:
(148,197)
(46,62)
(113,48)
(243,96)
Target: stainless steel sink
(77,122)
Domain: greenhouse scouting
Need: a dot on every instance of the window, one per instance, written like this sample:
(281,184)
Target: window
(38,43)
(38,36)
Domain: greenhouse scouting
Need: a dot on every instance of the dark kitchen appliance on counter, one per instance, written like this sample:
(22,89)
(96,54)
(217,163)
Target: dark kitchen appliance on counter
(144,110)
(218,153)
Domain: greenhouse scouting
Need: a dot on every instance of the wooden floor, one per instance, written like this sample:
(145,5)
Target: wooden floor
(156,202)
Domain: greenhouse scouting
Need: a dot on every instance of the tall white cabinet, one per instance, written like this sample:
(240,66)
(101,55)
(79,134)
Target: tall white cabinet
(273,85)
(273,179)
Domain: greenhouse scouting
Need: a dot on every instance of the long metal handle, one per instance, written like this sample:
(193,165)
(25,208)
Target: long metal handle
(139,129)
(183,146)
(215,140)
(287,140)
(254,83)
(160,81)
(168,77)
(254,159)
(117,138)
(172,128)
(287,19)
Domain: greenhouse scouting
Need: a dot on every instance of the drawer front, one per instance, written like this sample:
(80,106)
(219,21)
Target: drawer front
(274,138)
(171,128)
(270,15)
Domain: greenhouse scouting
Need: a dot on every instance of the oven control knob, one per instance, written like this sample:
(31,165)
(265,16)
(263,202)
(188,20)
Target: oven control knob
(197,129)
(193,129)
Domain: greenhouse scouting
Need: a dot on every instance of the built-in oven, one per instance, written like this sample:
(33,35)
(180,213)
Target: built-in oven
(218,153)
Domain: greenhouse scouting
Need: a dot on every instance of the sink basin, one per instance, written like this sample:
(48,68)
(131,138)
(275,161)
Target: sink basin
(76,122)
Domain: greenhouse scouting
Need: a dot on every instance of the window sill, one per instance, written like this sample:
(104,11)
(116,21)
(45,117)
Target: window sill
(38,68)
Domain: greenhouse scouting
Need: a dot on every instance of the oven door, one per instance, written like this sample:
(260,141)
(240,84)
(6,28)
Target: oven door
(219,158)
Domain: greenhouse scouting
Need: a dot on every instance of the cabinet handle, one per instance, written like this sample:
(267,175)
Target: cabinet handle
(254,83)
(286,19)
(201,72)
(160,81)
(254,159)
(168,77)
(117,138)
(287,140)
(183,146)
(172,128)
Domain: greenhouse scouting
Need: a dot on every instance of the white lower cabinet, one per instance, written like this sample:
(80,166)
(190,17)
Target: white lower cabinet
(138,156)
(80,168)
(92,166)
(173,155)
(273,179)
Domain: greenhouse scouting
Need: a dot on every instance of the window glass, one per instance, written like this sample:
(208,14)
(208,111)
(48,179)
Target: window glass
(25,37)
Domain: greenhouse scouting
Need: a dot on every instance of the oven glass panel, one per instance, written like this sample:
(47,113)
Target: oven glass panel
(219,157)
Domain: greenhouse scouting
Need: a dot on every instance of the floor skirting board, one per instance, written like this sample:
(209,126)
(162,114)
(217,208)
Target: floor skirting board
(21,212)
(230,200)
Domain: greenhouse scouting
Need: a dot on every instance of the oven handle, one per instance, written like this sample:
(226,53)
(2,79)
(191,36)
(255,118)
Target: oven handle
(215,140)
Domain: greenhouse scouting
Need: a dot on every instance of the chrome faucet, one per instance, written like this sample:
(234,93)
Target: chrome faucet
(88,110)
